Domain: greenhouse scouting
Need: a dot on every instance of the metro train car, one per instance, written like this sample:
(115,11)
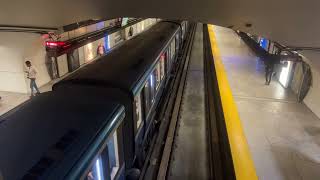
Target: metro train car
(54,137)
(98,121)
(135,75)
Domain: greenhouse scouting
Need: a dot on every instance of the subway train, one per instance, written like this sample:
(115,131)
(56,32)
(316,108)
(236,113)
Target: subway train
(96,123)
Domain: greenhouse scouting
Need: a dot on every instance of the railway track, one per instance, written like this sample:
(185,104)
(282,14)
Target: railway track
(166,109)
(160,159)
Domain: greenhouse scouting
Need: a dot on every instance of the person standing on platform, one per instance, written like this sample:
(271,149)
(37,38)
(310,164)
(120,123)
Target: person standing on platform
(32,75)
(101,50)
(270,61)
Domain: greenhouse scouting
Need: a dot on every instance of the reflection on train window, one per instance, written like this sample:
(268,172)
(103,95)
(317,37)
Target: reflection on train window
(159,72)
(152,87)
(147,99)
(138,111)
(156,74)
(107,164)
(167,63)
(96,172)
(162,66)
(177,41)
(183,29)
(173,46)
(113,153)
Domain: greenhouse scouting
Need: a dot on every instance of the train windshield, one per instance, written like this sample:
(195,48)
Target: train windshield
(96,172)
(106,165)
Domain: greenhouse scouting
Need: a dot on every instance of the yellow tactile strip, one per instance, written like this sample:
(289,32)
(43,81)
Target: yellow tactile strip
(242,160)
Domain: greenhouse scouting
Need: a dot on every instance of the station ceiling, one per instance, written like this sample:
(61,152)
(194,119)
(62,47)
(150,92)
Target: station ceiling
(290,22)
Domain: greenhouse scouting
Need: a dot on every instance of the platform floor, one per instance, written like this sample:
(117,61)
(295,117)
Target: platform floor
(10,100)
(283,135)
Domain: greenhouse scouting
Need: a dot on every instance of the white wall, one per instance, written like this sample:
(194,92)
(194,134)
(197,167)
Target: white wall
(312,100)
(36,52)
(15,48)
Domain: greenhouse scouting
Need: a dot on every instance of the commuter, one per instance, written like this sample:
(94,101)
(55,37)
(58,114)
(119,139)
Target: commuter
(270,61)
(101,50)
(32,74)
(90,176)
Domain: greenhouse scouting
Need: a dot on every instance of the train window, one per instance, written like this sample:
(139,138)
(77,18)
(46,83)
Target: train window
(149,92)
(113,153)
(96,171)
(177,41)
(152,87)
(138,111)
(147,98)
(162,66)
(156,74)
(107,164)
(159,71)
(168,64)
(183,30)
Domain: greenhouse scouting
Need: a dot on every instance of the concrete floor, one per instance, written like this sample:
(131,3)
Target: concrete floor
(189,159)
(10,100)
(283,135)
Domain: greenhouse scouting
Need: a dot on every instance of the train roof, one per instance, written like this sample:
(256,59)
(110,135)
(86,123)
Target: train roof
(46,136)
(125,65)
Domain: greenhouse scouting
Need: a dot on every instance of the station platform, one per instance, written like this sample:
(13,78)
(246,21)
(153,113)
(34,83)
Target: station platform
(10,100)
(283,135)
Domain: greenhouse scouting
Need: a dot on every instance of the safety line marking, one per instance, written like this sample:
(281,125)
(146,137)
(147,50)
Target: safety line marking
(241,156)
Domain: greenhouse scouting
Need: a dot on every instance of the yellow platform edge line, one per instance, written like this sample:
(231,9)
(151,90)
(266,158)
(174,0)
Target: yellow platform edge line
(241,156)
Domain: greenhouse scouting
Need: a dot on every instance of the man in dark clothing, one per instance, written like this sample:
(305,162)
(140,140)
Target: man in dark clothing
(270,61)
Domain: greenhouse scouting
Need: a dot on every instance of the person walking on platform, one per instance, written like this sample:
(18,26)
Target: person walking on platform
(270,62)
(32,74)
